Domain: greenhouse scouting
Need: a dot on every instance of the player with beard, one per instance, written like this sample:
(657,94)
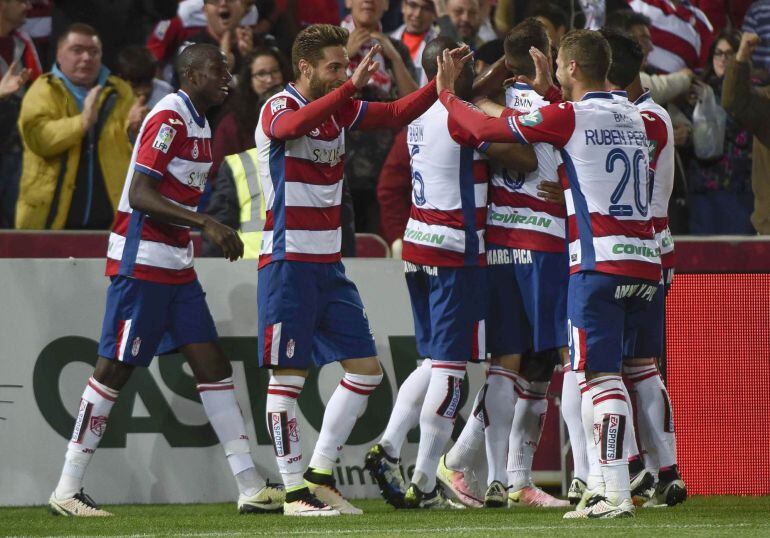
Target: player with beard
(309,313)
(614,259)
(155,304)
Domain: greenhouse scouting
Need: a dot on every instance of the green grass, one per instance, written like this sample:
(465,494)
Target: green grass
(713,516)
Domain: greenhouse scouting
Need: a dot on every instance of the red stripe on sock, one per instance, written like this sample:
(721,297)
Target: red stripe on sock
(274,392)
(91,383)
(528,395)
(215,387)
(448,365)
(621,397)
(286,386)
(642,378)
(351,388)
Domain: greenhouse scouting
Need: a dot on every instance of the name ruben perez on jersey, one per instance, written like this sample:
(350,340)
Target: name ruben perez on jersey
(302,182)
(174,148)
(604,149)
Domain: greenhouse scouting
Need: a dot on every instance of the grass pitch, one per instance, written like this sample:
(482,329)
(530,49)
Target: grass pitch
(699,516)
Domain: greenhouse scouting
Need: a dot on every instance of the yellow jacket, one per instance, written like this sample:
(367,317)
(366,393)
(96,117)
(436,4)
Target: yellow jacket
(52,132)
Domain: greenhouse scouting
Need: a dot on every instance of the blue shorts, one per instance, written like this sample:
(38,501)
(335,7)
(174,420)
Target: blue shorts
(602,309)
(144,319)
(449,307)
(527,300)
(645,340)
(310,314)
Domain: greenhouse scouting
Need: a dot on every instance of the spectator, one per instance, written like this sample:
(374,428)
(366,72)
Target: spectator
(757,21)
(224,23)
(138,67)
(417,30)
(263,72)
(462,22)
(663,87)
(750,108)
(18,63)
(366,150)
(555,21)
(76,148)
(724,13)
(681,34)
(38,28)
(487,30)
(719,191)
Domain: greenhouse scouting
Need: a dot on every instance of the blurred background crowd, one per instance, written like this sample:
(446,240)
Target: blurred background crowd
(78,77)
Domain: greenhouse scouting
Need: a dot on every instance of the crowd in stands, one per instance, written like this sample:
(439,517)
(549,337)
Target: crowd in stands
(78,77)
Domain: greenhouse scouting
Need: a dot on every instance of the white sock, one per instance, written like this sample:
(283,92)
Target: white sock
(437,418)
(343,409)
(406,410)
(499,402)
(611,419)
(631,446)
(571,411)
(528,421)
(281,406)
(225,416)
(595,478)
(471,438)
(95,406)
(655,417)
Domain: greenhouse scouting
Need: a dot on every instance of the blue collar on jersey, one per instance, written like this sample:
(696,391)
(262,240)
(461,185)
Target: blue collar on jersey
(295,92)
(521,86)
(597,95)
(620,93)
(644,97)
(200,120)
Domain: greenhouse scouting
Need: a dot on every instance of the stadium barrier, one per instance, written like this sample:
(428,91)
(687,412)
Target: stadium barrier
(158,447)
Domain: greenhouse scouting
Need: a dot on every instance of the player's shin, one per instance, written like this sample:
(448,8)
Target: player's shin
(471,437)
(225,416)
(437,417)
(406,410)
(345,406)
(572,414)
(528,421)
(611,421)
(595,479)
(91,422)
(500,402)
(281,406)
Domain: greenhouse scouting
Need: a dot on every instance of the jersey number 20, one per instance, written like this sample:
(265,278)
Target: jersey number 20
(630,167)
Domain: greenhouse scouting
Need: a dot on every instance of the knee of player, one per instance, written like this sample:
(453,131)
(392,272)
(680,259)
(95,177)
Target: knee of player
(510,362)
(538,366)
(367,366)
(112,373)
(650,361)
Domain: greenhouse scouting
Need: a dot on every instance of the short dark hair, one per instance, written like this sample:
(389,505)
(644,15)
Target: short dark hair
(528,33)
(311,42)
(76,28)
(136,63)
(627,57)
(626,19)
(194,57)
(552,12)
(590,51)
(490,52)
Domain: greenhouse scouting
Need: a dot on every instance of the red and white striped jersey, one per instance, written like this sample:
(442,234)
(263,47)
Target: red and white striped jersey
(449,193)
(302,182)
(660,133)
(604,150)
(174,147)
(517,217)
(681,34)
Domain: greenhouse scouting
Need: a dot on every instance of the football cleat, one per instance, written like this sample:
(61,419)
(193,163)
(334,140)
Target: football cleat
(496,495)
(590,497)
(603,509)
(671,494)
(304,504)
(387,473)
(79,505)
(641,482)
(268,499)
(534,496)
(324,487)
(455,482)
(575,492)
(435,500)
(645,498)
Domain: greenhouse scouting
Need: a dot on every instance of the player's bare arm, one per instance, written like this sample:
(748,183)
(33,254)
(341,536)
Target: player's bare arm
(143,196)
(514,156)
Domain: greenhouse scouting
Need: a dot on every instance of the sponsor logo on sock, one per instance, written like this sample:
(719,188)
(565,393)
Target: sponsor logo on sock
(84,414)
(451,404)
(480,412)
(293,431)
(279,433)
(613,429)
(97,425)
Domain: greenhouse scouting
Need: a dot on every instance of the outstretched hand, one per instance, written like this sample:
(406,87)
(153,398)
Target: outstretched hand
(450,65)
(366,68)
(543,77)
(13,79)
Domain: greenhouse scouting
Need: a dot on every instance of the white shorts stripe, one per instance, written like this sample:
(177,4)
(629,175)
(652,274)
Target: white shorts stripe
(124,339)
(275,344)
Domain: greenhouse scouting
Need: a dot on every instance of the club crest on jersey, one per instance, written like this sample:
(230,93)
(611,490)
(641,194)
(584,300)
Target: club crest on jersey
(164,138)
(195,151)
(277,104)
(290,348)
(97,425)
(135,345)
(531,119)
(315,132)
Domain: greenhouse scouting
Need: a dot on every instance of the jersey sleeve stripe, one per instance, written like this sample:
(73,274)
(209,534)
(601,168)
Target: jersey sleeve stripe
(272,122)
(148,171)
(363,105)
(517,135)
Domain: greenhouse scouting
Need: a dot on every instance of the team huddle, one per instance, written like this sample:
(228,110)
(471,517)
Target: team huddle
(537,237)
